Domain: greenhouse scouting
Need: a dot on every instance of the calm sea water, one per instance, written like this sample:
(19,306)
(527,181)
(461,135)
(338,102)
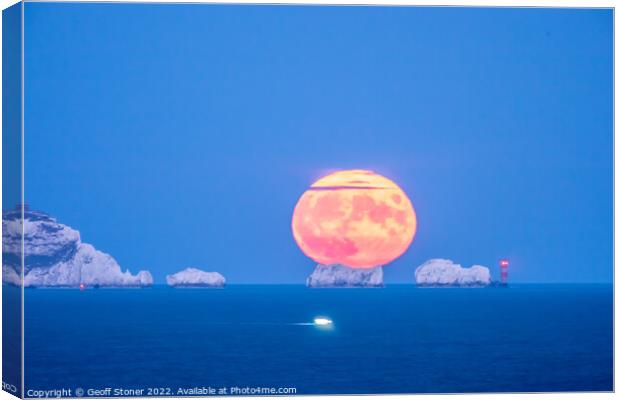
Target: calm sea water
(392,340)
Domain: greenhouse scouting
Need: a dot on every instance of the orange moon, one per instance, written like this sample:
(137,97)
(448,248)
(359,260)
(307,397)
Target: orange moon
(355,218)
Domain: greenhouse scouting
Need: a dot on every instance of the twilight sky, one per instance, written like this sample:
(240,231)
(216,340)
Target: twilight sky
(183,135)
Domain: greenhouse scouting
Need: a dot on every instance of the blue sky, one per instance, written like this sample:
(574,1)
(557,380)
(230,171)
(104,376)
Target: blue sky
(183,135)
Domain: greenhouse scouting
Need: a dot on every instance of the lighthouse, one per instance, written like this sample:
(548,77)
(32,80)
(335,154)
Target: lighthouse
(503,272)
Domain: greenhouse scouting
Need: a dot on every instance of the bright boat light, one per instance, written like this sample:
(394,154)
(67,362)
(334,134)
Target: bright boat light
(322,321)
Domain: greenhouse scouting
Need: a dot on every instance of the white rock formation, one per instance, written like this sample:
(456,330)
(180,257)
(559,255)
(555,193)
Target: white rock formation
(337,275)
(10,276)
(54,255)
(194,277)
(441,272)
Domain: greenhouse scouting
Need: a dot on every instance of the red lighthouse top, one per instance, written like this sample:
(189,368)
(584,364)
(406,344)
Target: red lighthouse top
(503,263)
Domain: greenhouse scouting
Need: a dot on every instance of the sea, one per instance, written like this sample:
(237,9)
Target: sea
(248,339)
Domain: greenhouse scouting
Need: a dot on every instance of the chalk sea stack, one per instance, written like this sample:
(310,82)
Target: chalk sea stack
(194,277)
(440,272)
(337,275)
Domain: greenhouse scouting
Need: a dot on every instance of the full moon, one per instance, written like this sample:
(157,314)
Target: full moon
(355,218)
